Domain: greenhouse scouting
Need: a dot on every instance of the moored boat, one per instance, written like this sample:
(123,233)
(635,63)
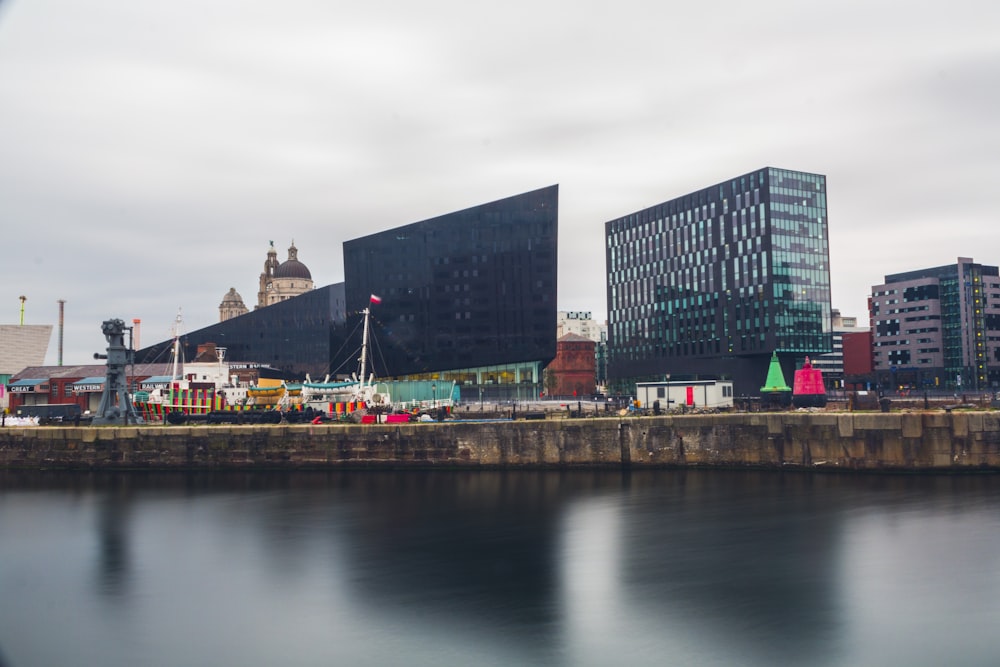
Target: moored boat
(363,397)
(198,387)
(356,396)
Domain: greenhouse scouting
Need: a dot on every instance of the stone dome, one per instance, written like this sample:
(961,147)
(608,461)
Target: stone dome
(292,267)
(232,297)
(232,305)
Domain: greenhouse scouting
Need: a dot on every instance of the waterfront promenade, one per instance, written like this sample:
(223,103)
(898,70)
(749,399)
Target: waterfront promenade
(952,441)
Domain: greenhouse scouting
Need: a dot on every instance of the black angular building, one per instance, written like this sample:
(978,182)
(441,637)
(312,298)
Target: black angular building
(468,297)
(709,284)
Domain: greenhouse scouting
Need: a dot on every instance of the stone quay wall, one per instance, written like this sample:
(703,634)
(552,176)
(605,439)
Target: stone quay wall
(915,441)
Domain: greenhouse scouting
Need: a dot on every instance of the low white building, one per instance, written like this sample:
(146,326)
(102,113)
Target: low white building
(832,364)
(21,346)
(580,323)
(686,393)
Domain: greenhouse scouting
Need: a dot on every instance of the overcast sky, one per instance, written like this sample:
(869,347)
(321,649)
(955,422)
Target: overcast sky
(149,151)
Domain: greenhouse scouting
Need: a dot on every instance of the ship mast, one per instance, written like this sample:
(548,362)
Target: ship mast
(364,347)
(177,354)
(177,343)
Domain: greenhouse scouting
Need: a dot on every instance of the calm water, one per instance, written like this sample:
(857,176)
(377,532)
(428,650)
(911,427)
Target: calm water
(658,568)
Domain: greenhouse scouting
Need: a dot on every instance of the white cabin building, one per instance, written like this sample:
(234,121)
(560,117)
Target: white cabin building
(686,393)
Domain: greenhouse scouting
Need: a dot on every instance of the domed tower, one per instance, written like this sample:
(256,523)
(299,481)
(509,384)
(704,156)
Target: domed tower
(285,280)
(270,266)
(232,305)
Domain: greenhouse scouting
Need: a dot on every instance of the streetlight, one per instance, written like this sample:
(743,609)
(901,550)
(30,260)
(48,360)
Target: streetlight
(668,391)
(435,392)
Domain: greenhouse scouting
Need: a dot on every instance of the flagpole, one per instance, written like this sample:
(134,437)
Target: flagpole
(364,348)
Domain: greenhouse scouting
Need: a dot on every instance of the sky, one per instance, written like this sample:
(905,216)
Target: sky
(151,151)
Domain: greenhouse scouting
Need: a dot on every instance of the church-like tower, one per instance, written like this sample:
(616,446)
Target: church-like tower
(232,305)
(285,280)
(267,277)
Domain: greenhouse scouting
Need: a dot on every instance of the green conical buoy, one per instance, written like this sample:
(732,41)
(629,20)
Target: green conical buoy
(775,378)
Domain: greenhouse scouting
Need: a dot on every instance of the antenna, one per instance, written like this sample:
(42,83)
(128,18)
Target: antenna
(62,306)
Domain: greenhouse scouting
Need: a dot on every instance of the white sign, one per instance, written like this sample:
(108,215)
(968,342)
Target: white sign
(24,389)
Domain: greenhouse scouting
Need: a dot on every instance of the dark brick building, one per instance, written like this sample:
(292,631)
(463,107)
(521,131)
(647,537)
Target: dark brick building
(573,371)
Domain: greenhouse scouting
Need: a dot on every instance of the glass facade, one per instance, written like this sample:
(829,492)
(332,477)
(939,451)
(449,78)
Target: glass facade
(977,332)
(711,283)
(951,323)
(467,290)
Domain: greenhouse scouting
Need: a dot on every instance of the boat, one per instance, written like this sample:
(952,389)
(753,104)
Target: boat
(266,392)
(357,396)
(274,394)
(362,397)
(177,399)
(198,387)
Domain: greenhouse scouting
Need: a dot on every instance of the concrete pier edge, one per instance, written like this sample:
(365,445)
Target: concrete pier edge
(911,442)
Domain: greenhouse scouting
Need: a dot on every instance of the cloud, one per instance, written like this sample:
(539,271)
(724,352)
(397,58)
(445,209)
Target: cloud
(152,151)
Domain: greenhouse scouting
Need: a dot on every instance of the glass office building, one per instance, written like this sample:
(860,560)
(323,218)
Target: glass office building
(469,296)
(708,285)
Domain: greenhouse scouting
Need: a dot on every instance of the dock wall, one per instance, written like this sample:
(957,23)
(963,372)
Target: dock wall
(928,441)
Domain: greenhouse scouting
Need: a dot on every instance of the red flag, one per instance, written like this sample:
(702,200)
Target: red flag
(376,299)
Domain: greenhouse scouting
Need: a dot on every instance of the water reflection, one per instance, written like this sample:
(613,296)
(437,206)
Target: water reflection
(756,559)
(112,529)
(554,568)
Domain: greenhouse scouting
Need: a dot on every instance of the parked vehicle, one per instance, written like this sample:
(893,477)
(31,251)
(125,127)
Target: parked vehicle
(53,413)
